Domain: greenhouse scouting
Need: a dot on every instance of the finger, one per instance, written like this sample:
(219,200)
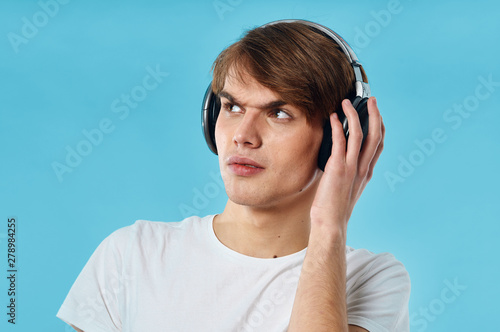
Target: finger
(377,154)
(373,139)
(355,133)
(372,147)
(338,139)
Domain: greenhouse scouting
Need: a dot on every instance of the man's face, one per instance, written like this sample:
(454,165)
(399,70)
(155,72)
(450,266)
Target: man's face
(268,152)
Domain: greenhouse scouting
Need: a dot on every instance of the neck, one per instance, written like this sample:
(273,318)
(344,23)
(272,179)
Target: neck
(265,232)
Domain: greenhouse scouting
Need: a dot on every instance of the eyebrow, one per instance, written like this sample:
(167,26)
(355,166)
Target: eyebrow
(271,104)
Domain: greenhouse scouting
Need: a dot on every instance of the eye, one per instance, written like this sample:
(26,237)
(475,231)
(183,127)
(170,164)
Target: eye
(280,114)
(231,107)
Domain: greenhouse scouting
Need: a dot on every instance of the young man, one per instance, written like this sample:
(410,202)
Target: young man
(276,258)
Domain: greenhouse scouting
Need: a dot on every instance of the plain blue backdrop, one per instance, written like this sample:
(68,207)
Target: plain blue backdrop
(68,66)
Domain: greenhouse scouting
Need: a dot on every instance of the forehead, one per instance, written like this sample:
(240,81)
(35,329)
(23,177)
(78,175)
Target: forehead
(247,89)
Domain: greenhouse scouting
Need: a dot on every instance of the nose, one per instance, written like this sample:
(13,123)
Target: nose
(247,132)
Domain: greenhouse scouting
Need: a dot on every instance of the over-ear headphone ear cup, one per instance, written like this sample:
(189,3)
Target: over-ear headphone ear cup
(210,112)
(325,149)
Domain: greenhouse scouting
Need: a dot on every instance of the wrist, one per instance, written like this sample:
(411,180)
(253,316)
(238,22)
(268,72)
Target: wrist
(326,243)
(330,230)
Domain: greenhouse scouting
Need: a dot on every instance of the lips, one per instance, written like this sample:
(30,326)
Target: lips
(244,166)
(244,162)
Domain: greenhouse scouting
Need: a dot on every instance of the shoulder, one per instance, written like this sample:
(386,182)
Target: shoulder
(362,263)
(146,233)
(156,228)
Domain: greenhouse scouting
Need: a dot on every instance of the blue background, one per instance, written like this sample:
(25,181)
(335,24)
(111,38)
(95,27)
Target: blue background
(433,207)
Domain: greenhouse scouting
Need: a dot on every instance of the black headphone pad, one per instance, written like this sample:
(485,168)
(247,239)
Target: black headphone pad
(210,112)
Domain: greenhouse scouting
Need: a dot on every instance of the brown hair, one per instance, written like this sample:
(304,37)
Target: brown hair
(303,66)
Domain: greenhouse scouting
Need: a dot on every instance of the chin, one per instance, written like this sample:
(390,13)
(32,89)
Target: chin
(255,204)
(246,198)
(266,200)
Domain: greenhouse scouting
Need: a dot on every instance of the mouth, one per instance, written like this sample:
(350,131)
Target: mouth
(244,166)
(236,160)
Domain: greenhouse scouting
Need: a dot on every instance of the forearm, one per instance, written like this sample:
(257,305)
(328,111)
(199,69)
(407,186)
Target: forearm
(320,301)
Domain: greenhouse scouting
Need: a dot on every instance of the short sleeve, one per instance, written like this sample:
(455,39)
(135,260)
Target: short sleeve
(92,304)
(378,300)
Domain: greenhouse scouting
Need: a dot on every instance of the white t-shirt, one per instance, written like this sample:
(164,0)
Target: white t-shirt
(177,276)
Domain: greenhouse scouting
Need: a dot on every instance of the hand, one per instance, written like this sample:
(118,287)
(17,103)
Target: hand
(347,172)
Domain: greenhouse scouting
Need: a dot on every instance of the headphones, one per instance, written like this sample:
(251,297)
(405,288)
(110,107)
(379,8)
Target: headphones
(211,102)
